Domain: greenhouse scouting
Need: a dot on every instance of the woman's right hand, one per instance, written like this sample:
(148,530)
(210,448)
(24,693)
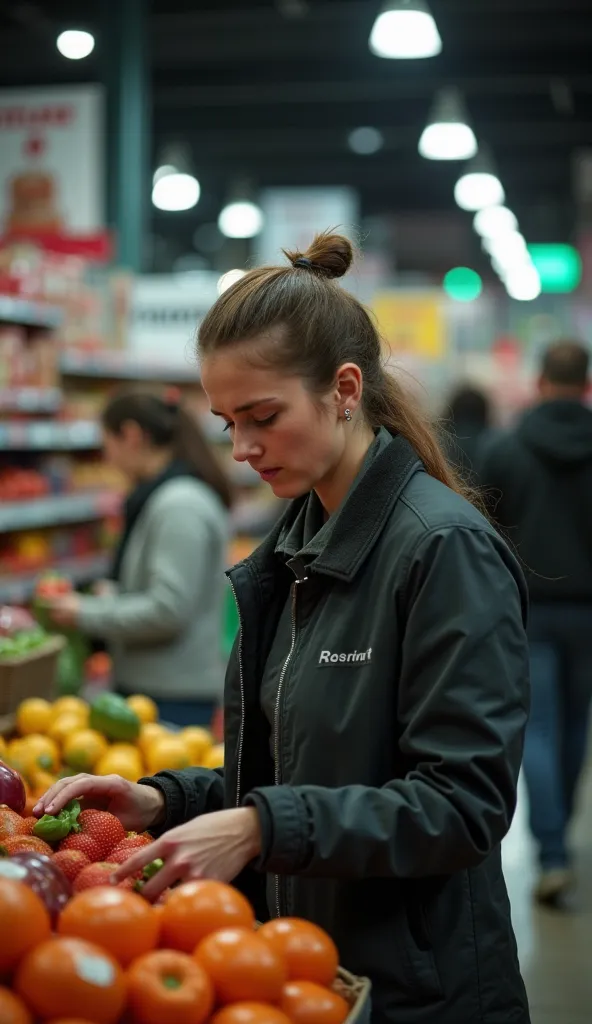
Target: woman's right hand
(137,807)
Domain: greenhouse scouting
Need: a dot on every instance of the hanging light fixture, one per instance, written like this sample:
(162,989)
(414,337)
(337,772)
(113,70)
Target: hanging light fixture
(405,29)
(174,188)
(479,185)
(75,44)
(242,219)
(448,134)
(494,222)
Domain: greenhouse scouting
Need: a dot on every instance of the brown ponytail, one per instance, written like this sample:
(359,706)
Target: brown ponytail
(169,425)
(314,326)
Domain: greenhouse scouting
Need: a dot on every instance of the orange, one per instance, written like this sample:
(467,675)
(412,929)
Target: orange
(241,966)
(198,741)
(309,953)
(64,977)
(167,752)
(144,707)
(121,759)
(71,706)
(33,715)
(168,986)
(25,922)
(306,1003)
(119,921)
(64,725)
(215,758)
(198,908)
(12,1009)
(83,748)
(41,753)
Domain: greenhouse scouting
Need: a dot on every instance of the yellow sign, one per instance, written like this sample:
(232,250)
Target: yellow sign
(411,323)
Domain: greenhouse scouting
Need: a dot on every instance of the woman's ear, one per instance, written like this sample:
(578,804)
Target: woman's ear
(348,388)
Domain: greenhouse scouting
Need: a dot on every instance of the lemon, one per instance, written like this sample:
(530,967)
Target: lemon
(71,706)
(65,724)
(215,758)
(3,747)
(168,752)
(83,748)
(149,733)
(33,716)
(121,759)
(198,741)
(144,707)
(40,753)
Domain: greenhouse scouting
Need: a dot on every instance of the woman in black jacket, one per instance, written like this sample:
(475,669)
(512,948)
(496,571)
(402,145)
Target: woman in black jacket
(377,695)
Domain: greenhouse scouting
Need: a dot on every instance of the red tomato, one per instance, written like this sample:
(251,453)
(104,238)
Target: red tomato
(306,1003)
(250,1013)
(310,954)
(198,908)
(242,966)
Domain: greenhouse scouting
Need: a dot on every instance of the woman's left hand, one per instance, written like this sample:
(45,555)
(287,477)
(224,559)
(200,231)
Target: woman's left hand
(217,845)
(64,611)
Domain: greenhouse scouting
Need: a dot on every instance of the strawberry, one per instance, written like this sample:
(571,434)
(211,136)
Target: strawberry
(28,844)
(130,844)
(97,833)
(71,862)
(30,821)
(92,875)
(11,824)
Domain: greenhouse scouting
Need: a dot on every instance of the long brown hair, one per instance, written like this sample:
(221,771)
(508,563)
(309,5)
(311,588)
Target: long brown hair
(314,326)
(168,425)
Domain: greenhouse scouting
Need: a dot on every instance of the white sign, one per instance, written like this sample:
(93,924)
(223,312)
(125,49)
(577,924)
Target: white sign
(166,310)
(51,160)
(293,216)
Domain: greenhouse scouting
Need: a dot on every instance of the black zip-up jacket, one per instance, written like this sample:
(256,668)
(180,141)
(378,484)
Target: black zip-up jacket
(400,731)
(539,482)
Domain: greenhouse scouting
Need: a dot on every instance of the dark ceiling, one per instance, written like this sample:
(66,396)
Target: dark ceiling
(268,90)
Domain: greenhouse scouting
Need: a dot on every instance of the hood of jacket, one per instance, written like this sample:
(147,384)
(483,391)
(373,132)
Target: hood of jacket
(559,431)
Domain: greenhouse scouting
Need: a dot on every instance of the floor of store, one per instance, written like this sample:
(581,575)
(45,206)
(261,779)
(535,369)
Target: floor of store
(554,947)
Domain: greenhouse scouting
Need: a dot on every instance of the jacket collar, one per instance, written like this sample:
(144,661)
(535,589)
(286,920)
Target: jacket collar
(361,520)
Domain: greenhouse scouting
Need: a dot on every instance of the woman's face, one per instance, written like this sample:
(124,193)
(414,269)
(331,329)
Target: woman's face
(123,450)
(293,439)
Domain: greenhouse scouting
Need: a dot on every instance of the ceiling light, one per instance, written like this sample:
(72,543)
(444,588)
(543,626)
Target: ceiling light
(228,279)
(479,185)
(463,284)
(241,220)
(523,284)
(493,221)
(405,29)
(175,191)
(161,172)
(365,141)
(448,135)
(508,249)
(75,44)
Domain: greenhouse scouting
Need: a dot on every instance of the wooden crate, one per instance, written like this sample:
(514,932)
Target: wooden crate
(357,992)
(29,675)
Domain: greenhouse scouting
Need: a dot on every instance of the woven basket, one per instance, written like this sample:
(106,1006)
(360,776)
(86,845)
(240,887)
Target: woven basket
(356,991)
(29,675)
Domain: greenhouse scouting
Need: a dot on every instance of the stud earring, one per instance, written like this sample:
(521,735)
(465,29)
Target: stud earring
(347,414)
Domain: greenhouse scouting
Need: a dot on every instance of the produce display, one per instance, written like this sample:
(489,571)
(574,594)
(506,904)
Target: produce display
(75,947)
(112,735)
(19,632)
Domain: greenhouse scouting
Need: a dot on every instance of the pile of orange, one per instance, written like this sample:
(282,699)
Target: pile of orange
(55,738)
(196,959)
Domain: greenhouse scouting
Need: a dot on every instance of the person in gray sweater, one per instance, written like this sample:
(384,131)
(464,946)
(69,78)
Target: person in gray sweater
(161,613)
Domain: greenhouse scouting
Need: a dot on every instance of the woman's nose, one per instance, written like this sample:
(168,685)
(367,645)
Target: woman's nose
(245,449)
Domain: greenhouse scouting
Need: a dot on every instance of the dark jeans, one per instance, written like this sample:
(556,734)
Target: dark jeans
(556,737)
(186,712)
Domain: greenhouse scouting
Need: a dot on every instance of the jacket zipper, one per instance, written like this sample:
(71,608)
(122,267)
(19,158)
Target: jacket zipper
(277,716)
(241,731)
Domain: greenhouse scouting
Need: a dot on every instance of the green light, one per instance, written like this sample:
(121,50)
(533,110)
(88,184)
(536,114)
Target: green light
(462,284)
(559,267)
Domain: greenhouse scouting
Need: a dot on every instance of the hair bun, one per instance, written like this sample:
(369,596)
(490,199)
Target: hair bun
(330,255)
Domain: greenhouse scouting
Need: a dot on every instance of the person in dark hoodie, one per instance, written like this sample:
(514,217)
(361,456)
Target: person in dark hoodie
(469,426)
(540,474)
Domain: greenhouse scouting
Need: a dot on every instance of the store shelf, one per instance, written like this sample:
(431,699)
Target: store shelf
(28,313)
(30,400)
(126,366)
(18,588)
(59,508)
(49,436)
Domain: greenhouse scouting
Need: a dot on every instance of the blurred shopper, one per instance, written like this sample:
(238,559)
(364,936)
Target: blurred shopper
(377,697)
(469,422)
(162,613)
(542,474)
